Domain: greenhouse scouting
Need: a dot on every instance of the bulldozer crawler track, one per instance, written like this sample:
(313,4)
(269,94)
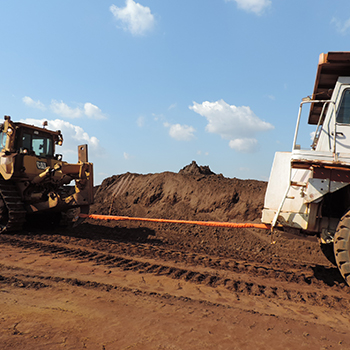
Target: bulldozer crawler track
(16,213)
(241,278)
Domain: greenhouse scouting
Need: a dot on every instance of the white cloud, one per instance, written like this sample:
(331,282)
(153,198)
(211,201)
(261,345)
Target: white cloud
(140,121)
(64,110)
(134,17)
(73,136)
(200,153)
(342,26)
(93,111)
(255,6)
(232,123)
(180,132)
(245,145)
(126,155)
(35,104)
(158,117)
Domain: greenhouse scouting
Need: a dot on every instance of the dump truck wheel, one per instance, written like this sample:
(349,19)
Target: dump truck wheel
(342,247)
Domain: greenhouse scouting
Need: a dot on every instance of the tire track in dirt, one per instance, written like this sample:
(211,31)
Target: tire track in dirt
(241,278)
(276,268)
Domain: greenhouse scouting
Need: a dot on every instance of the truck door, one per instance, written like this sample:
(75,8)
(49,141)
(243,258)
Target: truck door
(342,130)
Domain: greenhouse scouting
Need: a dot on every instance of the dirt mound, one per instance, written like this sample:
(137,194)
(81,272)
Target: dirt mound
(194,193)
(194,169)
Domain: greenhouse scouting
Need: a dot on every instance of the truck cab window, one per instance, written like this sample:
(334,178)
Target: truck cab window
(3,137)
(40,145)
(343,116)
(26,142)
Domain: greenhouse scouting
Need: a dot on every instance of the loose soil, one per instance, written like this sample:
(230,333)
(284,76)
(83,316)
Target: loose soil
(136,285)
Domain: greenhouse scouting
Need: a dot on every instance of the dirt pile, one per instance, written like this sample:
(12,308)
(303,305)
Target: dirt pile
(194,193)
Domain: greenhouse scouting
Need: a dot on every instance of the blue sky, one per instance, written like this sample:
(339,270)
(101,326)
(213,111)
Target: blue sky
(152,85)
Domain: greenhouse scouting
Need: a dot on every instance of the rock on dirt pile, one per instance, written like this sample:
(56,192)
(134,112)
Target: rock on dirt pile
(194,193)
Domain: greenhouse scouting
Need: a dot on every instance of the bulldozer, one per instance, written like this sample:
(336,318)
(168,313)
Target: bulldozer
(309,188)
(34,180)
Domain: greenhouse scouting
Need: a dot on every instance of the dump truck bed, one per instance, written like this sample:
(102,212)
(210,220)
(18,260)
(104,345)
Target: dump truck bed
(330,67)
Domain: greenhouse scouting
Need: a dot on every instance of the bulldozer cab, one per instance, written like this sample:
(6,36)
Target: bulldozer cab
(26,150)
(24,138)
(34,142)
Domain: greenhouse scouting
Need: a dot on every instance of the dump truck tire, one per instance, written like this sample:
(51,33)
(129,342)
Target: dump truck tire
(342,247)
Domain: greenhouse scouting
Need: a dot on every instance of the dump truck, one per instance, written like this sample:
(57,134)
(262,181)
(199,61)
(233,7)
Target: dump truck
(34,180)
(308,189)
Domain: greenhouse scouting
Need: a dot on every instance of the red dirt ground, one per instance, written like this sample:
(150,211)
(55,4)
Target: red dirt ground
(132,285)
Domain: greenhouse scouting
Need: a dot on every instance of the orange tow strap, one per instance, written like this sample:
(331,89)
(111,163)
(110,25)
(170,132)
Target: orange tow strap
(189,222)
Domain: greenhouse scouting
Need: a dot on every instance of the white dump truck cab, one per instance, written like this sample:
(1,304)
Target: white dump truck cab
(309,188)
